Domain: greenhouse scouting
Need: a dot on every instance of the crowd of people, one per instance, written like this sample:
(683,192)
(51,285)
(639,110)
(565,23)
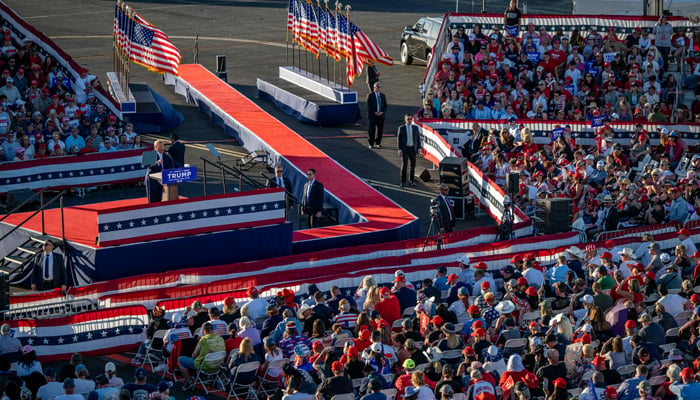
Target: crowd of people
(611,322)
(545,74)
(45,113)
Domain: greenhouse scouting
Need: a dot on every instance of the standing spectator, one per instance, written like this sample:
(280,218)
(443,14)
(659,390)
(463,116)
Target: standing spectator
(28,363)
(376,108)
(511,20)
(337,384)
(83,383)
(176,149)
(105,391)
(10,91)
(140,389)
(111,374)
(663,31)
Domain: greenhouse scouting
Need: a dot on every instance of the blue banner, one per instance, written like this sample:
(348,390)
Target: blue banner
(556,132)
(513,31)
(598,121)
(179,175)
(533,56)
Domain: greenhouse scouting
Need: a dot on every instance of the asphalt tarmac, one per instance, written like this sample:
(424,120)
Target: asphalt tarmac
(252,34)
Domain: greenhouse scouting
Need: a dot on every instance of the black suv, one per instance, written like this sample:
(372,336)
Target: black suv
(417,41)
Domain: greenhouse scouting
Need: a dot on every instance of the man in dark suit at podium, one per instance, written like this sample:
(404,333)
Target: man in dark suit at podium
(280,181)
(177,151)
(447,214)
(408,143)
(49,270)
(312,200)
(376,109)
(154,189)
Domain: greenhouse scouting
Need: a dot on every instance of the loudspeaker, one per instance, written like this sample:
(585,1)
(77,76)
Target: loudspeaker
(455,174)
(462,206)
(554,215)
(425,176)
(512,181)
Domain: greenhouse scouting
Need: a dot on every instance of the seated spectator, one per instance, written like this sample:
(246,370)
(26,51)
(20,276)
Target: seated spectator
(140,389)
(10,347)
(83,383)
(69,391)
(210,342)
(52,388)
(111,374)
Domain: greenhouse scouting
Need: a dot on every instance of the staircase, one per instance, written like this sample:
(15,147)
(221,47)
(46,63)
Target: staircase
(17,264)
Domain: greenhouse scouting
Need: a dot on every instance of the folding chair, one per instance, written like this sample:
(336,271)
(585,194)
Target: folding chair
(269,386)
(451,357)
(683,317)
(210,368)
(672,334)
(626,371)
(422,367)
(658,380)
(667,347)
(154,351)
(241,383)
(347,396)
(463,317)
(573,393)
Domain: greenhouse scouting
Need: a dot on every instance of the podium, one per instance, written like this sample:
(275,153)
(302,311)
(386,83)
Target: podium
(170,191)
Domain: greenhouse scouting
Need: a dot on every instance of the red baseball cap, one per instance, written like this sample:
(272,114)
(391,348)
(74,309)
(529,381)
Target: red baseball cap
(516,258)
(479,332)
(683,231)
(535,324)
(630,324)
(651,275)
(229,301)
(452,277)
(531,291)
(485,396)
(522,281)
(436,320)
(606,254)
(337,366)
(687,372)
(559,383)
(474,309)
(319,345)
(598,360)
(611,393)
(485,285)
(384,290)
(468,351)
(252,291)
(696,254)
(695,298)
(481,265)
(586,338)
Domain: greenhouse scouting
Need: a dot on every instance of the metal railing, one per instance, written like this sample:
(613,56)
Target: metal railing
(679,85)
(41,209)
(56,309)
(224,170)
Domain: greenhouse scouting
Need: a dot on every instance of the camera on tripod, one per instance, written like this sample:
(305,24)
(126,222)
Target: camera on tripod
(434,208)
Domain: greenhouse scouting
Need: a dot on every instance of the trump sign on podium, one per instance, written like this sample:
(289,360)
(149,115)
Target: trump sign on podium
(179,175)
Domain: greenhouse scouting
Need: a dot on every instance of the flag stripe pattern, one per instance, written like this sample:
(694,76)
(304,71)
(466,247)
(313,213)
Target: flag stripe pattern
(144,43)
(95,332)
(184,217)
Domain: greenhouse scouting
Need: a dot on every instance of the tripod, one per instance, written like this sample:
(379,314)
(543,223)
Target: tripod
(434,230)
(505,229)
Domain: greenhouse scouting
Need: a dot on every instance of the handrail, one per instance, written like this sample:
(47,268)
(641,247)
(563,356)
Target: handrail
(41,209)
(234,170)
(289,197)
(39,193)
(679,87)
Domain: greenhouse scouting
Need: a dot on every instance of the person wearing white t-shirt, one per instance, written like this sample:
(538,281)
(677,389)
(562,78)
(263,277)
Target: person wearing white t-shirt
(257,307)
(69,390)
(673,303)
(626,261)
(535,277)
(52,388)
(687,241)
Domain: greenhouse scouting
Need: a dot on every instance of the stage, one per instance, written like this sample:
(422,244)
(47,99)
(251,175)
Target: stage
(365,215)
(209,235)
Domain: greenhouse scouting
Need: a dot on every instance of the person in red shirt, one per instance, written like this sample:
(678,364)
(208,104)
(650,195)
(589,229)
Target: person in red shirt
(547,63)
(388,307)
(89,147)
(55,105)
(558,57)
(363,341)
(405,380)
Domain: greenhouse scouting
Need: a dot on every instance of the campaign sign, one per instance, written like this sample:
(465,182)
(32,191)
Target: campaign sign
(556,132)
(609,57)
(513,31)
(533,56)
(179,175)
(598,121)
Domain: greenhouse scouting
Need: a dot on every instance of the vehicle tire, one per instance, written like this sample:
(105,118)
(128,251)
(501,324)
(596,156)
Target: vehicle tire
(428,57)
(405,57)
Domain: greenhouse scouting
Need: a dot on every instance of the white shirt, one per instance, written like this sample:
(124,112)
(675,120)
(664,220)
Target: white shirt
(47,276)
(256,308)
(70,397)
(84,385)
(689,246)
(626,268)
(50,390)
(476,290)
(673,303)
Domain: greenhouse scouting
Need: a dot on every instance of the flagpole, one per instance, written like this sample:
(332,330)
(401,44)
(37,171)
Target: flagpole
(338,5)
(347,17)
(196,49)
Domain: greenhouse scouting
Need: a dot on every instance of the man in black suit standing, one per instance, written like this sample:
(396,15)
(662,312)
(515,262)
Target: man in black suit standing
(376,108)
(280,181)
(177,151)
(154,189)
(408,143)
(447,214)
(312,200)
(49,270)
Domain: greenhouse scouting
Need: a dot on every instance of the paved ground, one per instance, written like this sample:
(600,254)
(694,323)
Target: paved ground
(252,35)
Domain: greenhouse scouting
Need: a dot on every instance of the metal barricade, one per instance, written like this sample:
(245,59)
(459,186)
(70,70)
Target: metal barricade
(49,310)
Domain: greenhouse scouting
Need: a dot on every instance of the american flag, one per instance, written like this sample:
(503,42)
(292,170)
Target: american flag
(367,49)
(332,36)
(310,24)
(322,28)
(353,66)
(144,43)
(291,15)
